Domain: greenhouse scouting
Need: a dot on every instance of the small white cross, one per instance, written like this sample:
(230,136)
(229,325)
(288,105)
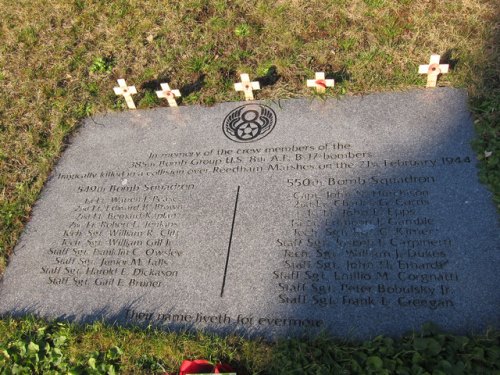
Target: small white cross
(126,91)
(246,86)
(433,70)
(168,94)
(319,82)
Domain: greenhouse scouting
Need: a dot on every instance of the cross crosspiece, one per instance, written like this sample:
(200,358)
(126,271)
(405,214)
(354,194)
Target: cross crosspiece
(168,94)
(246,86)
(433,70)
(319,82)
(126,91)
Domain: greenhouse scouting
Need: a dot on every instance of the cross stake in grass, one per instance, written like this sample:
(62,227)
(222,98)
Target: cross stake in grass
(320,83)
(168,94)
(126,91)
(433,70)
(246,86)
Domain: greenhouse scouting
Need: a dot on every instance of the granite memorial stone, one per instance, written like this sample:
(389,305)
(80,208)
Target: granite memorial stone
(359,217)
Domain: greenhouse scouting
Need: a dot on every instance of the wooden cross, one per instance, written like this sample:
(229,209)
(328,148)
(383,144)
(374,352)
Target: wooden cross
(168,94)
(433,70)
(319,82)
(126,91)
(246,86)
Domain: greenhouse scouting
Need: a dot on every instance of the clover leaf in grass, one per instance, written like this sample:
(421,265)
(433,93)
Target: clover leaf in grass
(242,30)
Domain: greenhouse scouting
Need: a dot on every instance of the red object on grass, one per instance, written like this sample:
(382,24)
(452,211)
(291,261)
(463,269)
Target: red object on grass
(202,366)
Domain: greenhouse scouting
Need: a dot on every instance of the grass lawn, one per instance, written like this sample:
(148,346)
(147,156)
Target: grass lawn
(59,61)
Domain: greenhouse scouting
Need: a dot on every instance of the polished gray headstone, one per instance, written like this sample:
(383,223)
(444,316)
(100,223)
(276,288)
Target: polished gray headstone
(359,217)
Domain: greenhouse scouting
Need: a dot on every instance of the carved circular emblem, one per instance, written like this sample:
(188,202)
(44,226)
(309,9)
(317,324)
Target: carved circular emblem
(249,123)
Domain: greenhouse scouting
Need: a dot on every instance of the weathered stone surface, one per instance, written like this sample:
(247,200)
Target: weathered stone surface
(362,216)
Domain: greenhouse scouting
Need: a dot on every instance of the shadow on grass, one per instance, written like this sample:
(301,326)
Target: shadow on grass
(270,78)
